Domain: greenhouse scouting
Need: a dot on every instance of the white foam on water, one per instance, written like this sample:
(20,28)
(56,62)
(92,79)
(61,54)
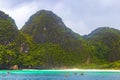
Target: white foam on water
(75,69)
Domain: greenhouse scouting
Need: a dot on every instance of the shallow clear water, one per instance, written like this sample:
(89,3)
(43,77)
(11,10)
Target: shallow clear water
(57,75)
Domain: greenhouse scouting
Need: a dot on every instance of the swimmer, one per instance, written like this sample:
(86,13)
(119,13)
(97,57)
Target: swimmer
(82,73)
(8,73)
(66,75)
(75,73)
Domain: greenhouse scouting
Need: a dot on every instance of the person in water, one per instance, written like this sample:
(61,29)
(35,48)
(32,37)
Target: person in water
(82,73)
(8,73)
(75,73)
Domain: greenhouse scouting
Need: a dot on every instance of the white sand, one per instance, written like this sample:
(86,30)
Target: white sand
(84,70)
(91,70)
(81,70)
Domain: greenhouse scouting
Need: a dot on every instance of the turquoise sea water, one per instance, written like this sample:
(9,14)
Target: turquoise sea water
(57,75)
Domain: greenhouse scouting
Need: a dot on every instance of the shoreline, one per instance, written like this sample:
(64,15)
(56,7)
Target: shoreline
(77,70)
(47,71)
(86,70)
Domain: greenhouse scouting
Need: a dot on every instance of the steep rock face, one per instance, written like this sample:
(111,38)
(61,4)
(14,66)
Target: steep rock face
(8,29)
(44,26)
(48,43)
(107,41)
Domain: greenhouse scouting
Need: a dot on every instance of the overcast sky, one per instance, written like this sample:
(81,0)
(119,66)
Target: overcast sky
(82,16)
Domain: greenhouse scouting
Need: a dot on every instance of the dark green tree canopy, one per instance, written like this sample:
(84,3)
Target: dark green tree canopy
(45,42)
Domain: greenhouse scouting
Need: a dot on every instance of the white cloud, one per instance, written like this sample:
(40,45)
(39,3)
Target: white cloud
(79,15)
(21,13)
(110,3)
(78,27)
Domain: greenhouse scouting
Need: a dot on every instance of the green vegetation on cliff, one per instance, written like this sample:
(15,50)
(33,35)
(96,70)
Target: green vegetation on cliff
(107,43)
(45,42)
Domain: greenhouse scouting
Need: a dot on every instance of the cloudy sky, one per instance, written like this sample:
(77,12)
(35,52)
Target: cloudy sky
(82,16)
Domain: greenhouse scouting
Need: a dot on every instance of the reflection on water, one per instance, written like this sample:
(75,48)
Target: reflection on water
(62,76)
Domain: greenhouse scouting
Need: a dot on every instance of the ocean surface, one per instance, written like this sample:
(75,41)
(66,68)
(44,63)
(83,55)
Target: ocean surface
(58,75)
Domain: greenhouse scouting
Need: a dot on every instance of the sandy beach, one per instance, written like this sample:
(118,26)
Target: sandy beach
(81,70)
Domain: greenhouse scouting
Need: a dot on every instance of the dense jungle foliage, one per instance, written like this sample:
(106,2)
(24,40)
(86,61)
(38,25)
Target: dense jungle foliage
(45,42)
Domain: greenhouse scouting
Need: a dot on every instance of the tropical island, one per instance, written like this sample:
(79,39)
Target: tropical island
(44,42)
